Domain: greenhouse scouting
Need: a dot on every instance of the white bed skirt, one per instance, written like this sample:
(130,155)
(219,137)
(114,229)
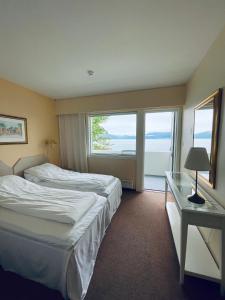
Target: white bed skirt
(114,192)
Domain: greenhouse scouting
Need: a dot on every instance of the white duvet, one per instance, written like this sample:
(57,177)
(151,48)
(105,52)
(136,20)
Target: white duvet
(55,176)
(27,198)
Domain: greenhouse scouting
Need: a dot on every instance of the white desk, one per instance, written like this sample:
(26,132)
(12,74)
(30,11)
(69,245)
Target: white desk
(181,213)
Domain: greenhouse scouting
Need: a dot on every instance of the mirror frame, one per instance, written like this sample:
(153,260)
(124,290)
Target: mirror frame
(216,97)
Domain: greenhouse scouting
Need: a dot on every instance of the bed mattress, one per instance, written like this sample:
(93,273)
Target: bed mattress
(31,247)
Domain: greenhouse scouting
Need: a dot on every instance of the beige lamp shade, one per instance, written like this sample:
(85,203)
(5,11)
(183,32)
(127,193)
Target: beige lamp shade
(197,159)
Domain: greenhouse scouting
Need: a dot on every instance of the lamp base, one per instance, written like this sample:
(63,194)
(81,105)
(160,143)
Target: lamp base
(196,199)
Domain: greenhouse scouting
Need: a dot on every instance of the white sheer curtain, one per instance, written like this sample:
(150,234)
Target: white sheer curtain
(73,142)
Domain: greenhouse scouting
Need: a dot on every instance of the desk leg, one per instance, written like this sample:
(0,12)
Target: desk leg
(183,246)
(166,191)
(222,284)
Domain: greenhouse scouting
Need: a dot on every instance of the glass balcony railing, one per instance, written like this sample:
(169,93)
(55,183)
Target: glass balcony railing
(155,165)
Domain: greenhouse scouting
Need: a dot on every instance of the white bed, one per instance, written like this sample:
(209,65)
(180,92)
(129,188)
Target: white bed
(37,169)
(58,255)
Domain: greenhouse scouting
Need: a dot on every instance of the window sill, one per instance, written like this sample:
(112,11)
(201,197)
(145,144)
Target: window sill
(113,156)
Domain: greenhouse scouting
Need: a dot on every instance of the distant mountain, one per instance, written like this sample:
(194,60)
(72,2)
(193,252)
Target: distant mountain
(203,135)
(154,136)
(149,135)
(158,135)
(118,137)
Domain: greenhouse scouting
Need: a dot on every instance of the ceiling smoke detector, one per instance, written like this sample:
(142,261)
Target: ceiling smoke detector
(90,73)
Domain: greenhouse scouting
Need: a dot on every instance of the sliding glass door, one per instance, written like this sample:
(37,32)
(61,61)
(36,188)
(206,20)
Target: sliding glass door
(159,148)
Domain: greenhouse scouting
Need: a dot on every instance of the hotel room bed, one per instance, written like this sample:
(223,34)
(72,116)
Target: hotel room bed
(37,169)
(57,254)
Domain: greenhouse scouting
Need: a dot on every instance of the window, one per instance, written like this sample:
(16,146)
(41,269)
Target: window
(113,134)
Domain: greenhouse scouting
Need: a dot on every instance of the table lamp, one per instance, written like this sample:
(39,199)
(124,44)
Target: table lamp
(197,160)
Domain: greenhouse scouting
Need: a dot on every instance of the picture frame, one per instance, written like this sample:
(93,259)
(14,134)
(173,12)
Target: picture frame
(13,130)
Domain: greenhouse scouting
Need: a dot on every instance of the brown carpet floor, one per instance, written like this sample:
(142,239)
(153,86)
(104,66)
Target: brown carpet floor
(136,261)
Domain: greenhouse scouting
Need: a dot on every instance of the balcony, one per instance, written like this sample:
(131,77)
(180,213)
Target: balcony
(155,165)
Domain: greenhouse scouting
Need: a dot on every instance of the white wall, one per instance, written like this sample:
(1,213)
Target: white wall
(173,96)
(124,168)
(209,76)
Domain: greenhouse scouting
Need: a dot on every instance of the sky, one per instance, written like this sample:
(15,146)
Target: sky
(155,122)
(126,124)
(203,120)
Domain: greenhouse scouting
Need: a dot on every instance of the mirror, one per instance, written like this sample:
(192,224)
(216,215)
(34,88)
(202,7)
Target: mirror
(206,131)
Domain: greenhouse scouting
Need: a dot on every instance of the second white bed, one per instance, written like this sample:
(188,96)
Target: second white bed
(50,175)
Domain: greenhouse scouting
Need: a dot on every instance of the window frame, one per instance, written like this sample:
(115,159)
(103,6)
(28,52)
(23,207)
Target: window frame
(116,155)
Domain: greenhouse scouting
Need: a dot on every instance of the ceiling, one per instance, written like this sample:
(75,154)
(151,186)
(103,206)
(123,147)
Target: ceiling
(49,45)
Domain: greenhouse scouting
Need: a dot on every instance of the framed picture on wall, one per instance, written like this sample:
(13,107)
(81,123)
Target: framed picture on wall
(13,130)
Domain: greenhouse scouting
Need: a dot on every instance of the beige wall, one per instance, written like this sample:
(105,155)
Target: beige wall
(154,98)
(41,120)
(161,97)
(209,76)
(123,168)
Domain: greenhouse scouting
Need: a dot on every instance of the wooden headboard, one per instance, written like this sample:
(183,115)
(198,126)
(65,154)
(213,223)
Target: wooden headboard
(28,162)
(4,169)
